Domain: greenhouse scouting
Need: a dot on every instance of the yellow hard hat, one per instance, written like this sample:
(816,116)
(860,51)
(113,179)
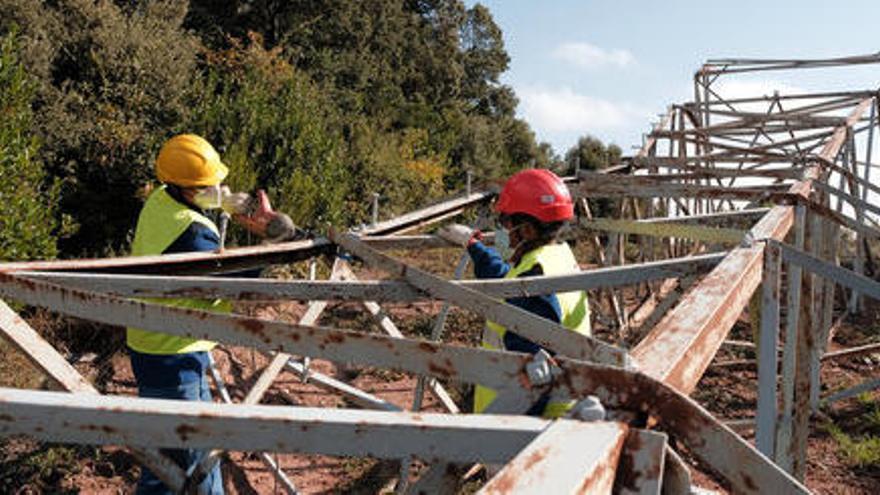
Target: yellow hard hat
(188,160)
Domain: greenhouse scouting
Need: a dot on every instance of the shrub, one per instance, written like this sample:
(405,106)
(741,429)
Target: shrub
(27,197)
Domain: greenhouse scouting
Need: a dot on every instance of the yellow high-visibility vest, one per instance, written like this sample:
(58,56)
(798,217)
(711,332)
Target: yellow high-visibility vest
(555,259)
(161,222)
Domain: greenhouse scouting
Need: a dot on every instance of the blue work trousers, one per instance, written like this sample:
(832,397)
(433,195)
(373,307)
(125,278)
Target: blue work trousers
(197,390)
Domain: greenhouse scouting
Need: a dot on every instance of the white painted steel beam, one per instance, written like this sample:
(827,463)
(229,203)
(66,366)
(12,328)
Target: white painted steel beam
(551,335)
(106,420)
(144,286)
(570,457)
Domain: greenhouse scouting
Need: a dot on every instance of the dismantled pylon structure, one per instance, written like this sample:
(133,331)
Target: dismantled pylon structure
(728,206)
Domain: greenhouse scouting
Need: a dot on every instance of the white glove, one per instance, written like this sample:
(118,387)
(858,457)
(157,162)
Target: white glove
(456,233)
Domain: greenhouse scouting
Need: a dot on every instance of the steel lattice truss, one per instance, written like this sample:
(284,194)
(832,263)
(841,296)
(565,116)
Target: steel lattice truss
(722,195)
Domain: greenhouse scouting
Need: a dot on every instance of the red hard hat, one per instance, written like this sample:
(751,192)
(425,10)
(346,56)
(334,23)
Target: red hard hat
(536,192)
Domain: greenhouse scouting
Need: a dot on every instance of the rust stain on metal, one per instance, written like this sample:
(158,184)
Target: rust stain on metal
(102,428)
(6,417)
(428,347)
(334,338)
(750,483)
(185,430)
(446,369)
(535,457)
(601,478)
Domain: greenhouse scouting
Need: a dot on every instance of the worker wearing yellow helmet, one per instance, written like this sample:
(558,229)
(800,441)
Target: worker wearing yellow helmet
(174,220)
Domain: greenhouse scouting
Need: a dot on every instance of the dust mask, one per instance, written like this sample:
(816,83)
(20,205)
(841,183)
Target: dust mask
(502,242)
(208,198)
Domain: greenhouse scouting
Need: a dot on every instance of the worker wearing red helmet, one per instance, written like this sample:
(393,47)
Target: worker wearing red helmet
(533,207)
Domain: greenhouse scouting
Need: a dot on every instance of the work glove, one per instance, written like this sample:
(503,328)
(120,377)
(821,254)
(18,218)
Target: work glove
(458,234)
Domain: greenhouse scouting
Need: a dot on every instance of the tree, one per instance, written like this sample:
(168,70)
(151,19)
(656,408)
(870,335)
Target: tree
(591,154)
(112,84)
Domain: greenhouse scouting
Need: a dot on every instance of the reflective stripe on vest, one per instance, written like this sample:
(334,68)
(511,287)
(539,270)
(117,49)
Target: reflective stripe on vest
(161,222)
(555,259)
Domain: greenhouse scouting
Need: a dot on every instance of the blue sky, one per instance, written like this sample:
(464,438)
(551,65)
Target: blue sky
(607,68)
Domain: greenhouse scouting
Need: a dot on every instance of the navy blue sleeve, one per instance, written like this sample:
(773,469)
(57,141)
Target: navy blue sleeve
(545,306)
(487,261)
(196,237)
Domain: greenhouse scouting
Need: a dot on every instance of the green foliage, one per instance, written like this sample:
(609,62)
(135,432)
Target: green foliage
(112,84)
(591,154)
(862,451)
(321,103)
(41,470)
(276,131)
(27,198)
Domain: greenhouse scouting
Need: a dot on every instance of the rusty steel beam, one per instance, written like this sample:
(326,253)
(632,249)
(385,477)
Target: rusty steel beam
(24,338)
(144,286)
(108,420)
(707,439)
(570,457)
(247,257)
(679,349)
(551,335)
(642,463)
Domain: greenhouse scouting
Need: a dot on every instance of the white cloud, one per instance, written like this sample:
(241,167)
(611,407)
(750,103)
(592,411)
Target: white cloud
(589,56)
(563,110)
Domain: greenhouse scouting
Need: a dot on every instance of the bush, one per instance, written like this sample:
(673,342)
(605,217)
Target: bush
(27,198)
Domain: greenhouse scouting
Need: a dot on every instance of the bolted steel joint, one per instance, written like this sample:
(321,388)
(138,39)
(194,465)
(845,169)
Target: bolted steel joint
(588,409)
(539,369)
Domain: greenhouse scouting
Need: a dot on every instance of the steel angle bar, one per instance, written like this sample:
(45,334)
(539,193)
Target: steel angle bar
(143,286)
(598,278)
(747,215)
(842,276)
(750,193)
(393,242)
(551,335)
(107,420)
(852,200)
(18,333)
(355,395)
(40,353)
(246,257)
(642,462)
(852,391)
(569,457)
(494,369)
(678,350)
(692,232)
(852,352)
(767,354)
(186,263)
(843,220)
(676,474)
(746,469)
(730,217)
(391,329)
(680,347)
(433,212)
(262,385)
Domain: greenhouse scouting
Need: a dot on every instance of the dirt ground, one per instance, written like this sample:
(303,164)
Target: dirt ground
(728,392)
